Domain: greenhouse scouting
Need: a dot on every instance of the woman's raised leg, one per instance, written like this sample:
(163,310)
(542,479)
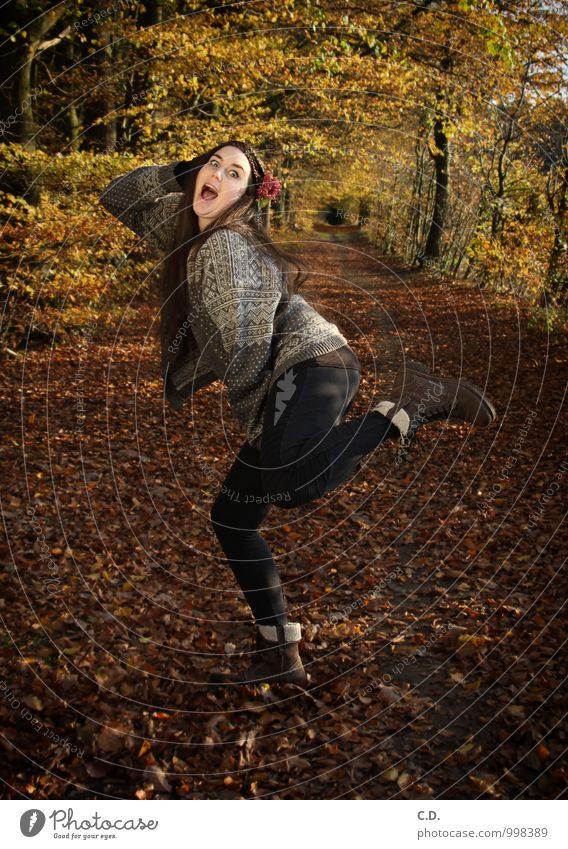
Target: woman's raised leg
(306,449)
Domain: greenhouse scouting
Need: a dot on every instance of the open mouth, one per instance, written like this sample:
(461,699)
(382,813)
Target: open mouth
(208,193)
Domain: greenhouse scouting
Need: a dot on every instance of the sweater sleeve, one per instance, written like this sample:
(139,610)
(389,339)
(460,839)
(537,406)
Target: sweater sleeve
(235,291)
(147,200)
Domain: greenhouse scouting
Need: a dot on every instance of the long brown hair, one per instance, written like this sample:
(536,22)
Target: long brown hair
(242,217)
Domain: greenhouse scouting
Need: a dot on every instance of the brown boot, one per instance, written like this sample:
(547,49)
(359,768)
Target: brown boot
(275,660)
(419,398)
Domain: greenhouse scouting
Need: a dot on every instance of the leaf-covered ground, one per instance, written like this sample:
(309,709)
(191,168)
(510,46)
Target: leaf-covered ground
(431,592)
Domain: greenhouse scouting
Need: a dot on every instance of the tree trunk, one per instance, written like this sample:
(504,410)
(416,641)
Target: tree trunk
(72,115)
(364,211)
(25,127)
(388,238)
(557,272)
(413,232)
(441,157)
(23,92)
(102,103)
(288,213)
(154,13)
(18,98)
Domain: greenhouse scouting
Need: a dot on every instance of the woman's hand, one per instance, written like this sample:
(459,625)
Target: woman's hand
(181,170)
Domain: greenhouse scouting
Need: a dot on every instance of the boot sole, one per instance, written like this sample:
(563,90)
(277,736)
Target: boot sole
(217,681)
(212,686)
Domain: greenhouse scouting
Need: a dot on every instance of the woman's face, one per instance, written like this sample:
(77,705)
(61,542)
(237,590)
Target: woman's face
(227,174)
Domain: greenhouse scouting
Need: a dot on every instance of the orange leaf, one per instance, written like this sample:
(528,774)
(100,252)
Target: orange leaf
(143,748)
(542,751)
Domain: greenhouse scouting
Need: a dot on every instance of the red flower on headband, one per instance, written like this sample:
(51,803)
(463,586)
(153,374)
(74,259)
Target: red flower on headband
(269,189)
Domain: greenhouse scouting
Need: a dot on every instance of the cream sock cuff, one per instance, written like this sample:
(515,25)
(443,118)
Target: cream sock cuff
(401,419)
(292,632)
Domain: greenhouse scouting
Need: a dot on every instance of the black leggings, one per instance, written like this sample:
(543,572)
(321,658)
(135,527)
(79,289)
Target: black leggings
(306,451)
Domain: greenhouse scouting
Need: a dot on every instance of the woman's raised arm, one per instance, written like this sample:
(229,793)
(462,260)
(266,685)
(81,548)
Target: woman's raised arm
(147,200)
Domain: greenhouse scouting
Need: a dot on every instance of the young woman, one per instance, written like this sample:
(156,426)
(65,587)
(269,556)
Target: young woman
(230,312)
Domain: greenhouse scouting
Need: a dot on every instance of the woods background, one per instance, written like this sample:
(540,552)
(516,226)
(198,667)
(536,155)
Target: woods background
(438,127)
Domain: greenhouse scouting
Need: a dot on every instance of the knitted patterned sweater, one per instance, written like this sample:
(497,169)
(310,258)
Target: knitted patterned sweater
(234,290)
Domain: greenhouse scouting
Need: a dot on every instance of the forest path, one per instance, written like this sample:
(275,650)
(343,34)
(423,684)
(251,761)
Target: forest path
(431,602)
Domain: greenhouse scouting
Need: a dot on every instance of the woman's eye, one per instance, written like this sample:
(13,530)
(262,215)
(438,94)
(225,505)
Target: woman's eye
(214,162)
